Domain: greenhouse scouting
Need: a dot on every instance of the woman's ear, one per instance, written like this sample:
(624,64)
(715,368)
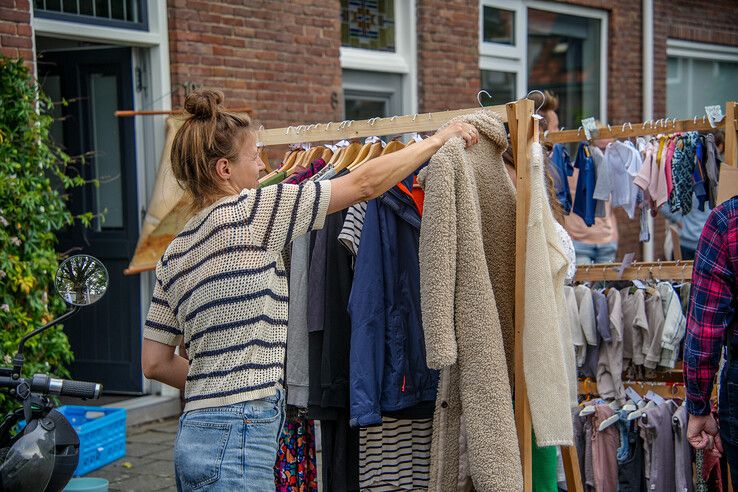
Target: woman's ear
(223,169)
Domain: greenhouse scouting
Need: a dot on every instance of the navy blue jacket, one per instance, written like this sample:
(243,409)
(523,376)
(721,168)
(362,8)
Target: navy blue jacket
(388,365)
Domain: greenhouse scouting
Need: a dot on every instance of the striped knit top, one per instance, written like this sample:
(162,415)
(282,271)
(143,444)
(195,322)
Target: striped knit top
(221,286)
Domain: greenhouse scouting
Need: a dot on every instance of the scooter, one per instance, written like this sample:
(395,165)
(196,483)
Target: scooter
(43,455)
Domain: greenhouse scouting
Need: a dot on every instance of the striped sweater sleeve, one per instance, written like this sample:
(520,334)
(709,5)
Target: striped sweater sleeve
(276,215)
(161,324)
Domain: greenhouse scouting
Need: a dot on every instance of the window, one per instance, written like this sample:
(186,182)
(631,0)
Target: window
(368,24)
(114,13)
(498,25)
(564,57)
(698,76)
(501,86)
(527,44)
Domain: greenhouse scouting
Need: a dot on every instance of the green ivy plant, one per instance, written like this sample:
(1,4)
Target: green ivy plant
(33,184)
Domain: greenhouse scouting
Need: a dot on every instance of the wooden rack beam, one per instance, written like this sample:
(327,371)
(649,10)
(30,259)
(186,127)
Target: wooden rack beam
(173,112)
(665,270)
(519,116)
(634,130)
(396,125)
(665,390)
(731,139)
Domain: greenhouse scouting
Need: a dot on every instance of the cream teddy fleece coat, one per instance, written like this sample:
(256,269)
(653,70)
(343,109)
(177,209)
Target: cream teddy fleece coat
(467,286)
(548,348)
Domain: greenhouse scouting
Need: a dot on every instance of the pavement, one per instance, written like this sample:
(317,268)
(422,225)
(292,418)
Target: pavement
(149,461)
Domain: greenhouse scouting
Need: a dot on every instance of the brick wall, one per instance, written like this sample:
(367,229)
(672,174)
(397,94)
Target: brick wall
(448,54)
(16,38)
(282,62)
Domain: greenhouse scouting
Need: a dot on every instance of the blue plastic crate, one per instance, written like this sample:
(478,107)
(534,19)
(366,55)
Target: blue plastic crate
(102,435)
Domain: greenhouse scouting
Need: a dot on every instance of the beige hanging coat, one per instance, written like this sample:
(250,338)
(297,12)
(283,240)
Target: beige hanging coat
(548,348)
(467,282)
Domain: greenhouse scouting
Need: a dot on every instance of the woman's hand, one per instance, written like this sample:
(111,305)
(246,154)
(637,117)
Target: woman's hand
(464,130)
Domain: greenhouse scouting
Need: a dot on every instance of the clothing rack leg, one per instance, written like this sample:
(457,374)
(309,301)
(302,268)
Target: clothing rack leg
(571,469)
(731,139)
(521,136)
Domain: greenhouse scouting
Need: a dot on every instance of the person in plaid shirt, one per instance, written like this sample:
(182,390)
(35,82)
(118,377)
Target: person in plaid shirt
(711,325)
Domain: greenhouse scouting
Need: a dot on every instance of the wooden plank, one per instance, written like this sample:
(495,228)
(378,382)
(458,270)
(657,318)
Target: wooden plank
(128,113)
(668,270)
(666,390)
(521,132)
(572,472)
(396,125)
(634,130)
(731,140)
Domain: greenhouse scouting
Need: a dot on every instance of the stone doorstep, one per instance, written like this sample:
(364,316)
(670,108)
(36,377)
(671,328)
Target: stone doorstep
(143,409)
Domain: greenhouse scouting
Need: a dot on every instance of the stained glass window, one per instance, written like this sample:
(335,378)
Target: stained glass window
(368,24)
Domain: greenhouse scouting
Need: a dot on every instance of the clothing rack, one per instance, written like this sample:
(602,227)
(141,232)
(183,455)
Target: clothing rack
(607,271)
(672,270)
(665,389)
(518,115)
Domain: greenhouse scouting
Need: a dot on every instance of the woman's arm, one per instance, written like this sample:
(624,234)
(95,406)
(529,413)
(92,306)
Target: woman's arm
(382,173)
(159,362)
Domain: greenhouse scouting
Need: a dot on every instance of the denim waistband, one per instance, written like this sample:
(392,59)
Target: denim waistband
(240,408)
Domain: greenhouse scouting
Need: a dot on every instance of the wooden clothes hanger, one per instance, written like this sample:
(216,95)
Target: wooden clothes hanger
(393,146)
(349,155)
(374,151)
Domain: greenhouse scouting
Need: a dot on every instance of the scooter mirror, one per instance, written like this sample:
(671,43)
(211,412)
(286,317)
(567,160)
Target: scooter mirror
(81,280)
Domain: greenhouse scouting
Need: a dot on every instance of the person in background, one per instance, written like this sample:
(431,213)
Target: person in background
(711,331)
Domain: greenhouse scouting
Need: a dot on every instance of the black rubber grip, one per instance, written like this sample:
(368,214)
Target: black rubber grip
(81,389)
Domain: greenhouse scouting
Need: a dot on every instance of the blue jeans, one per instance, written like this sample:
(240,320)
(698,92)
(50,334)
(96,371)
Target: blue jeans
(728,415)
(228,448)
(595,253)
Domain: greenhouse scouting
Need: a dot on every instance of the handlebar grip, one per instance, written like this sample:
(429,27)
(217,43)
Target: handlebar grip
(80,389)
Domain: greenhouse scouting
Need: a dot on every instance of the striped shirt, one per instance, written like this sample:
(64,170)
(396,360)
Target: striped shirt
(395,456)
(221,286)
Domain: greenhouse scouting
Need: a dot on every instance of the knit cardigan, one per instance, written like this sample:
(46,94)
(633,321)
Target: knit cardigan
(467,285)
(548,348)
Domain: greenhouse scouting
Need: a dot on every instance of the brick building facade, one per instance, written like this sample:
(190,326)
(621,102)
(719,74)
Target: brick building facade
(290,63)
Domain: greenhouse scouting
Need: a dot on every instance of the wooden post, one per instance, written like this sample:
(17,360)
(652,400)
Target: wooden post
(521,135)
(731,140)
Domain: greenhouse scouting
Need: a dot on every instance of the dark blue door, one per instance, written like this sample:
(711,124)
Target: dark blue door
(106,337)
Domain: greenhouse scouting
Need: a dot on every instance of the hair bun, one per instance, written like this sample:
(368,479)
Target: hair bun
(203,104)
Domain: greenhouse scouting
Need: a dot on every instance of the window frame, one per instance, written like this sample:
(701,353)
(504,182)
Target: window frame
(492,56)
(89,20)
(403,61)
(685,51)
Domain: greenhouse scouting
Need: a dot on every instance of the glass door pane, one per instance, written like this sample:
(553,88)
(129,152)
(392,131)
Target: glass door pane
(106,150)
(501,85)
(564,56)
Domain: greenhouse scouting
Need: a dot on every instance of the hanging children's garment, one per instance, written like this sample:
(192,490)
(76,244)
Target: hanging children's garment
(656,431)
(469,222)
(584,202)
(563,169)
(610,363)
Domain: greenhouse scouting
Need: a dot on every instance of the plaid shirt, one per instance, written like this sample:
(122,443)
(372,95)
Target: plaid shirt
(712,304)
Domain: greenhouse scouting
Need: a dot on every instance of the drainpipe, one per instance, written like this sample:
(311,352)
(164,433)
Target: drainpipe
(647,91)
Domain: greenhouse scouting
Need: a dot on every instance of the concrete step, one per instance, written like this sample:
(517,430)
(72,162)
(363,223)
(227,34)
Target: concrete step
(149,408)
